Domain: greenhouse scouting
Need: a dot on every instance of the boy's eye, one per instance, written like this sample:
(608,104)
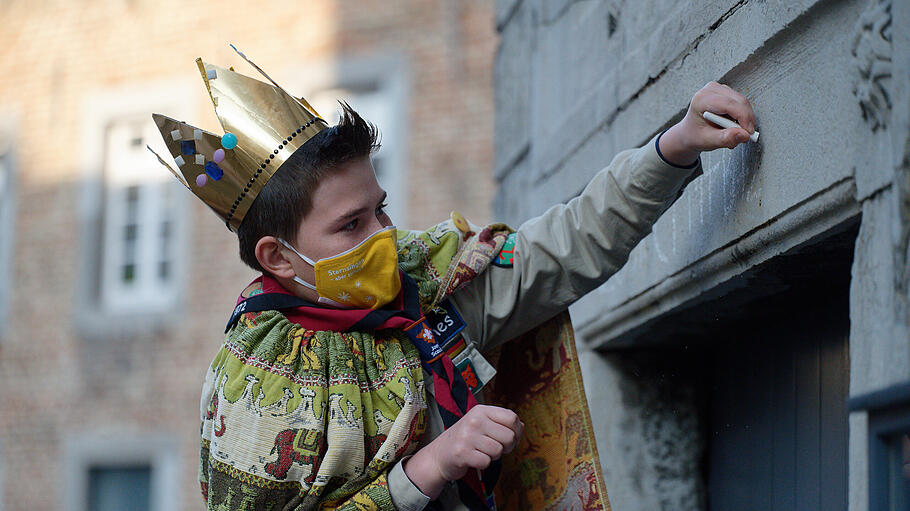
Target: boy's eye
(350,226)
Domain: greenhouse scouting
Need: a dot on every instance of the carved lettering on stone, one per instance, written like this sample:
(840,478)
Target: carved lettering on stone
(872,55)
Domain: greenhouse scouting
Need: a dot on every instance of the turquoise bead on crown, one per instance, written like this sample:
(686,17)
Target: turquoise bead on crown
(229,141)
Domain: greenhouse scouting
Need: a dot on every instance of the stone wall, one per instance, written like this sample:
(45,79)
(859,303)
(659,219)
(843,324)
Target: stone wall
(578,81)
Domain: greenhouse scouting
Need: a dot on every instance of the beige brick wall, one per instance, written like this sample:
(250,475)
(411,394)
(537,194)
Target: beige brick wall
(57,384)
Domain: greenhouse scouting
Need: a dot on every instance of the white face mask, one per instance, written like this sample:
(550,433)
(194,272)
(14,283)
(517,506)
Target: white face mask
(365,276)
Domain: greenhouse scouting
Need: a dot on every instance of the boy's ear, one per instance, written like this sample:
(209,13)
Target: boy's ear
(271,256)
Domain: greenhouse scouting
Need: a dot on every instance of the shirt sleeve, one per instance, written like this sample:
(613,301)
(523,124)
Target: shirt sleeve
(405,495)
(572,248)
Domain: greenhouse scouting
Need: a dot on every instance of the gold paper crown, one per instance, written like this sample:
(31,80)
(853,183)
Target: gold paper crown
(263,127)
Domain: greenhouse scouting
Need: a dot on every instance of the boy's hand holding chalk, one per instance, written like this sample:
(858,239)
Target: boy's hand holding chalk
(726,123)
(704,128)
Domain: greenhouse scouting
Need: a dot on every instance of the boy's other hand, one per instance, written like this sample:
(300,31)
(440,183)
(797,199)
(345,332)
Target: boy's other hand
(484,434)
(683,142)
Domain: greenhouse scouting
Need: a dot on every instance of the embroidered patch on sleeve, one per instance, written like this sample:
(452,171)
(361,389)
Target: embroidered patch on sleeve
(446,322)
(506,256)
(469,374)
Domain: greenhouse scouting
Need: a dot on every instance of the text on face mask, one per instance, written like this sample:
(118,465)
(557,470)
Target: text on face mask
(346,269)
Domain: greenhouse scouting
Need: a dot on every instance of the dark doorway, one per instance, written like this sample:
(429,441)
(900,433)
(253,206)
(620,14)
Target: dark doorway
(777,380)
(762,361)
(777,423)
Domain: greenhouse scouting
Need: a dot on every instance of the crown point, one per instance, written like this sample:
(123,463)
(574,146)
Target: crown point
(229,141)
(201,180)
(218,157)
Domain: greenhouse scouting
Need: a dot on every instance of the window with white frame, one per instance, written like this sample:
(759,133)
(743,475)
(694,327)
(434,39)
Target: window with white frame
(114,488)
(140,221)
(108,471)
(375,101)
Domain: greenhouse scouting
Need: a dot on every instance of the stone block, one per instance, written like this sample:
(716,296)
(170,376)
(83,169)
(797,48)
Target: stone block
(646,416)
(748,187)
(512,76)
(512,196)
(878,357)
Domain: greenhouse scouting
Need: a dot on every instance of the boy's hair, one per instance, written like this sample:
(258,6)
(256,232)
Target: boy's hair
(288,196)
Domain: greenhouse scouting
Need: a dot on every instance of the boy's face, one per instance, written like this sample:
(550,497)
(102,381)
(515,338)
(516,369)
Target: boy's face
(348,205)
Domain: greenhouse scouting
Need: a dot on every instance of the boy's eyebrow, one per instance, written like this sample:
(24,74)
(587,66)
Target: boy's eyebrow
(359,211)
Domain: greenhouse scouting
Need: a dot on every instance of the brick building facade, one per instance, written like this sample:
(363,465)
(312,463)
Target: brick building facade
(99,391)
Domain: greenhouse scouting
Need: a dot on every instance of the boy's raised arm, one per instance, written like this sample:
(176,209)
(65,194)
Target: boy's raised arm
(572,248)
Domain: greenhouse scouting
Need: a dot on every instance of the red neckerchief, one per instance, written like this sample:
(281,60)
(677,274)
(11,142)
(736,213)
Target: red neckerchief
(399,313)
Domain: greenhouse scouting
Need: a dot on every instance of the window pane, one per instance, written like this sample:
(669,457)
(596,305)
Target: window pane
(138,261)
(118,488)
(166,231)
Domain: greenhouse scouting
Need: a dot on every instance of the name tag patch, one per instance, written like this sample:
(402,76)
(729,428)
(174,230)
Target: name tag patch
(446,323)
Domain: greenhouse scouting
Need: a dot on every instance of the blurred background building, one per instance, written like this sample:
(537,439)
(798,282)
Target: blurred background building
(116,283)
(754,352)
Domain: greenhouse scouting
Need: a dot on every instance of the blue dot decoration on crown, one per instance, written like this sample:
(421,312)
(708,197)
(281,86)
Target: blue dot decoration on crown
(229,141)
(187,147)
(213,170)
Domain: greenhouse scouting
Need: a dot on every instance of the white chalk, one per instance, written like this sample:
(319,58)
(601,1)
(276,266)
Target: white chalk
(727,123)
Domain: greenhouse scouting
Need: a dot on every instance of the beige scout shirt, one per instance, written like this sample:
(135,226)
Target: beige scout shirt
(560,256)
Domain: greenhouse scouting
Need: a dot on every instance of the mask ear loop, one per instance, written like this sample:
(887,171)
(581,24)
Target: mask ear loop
(305,259)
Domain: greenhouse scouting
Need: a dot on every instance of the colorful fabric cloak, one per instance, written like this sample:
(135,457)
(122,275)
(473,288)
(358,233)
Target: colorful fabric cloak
(300,418)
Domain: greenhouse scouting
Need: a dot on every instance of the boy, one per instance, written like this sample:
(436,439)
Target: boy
(348,374)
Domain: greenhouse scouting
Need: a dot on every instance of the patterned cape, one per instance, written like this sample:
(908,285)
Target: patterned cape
(296,419)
